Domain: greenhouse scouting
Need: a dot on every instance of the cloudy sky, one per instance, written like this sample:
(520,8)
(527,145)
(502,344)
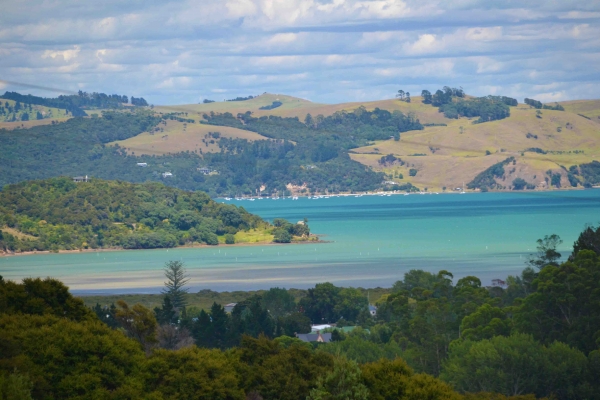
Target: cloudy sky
(178,51)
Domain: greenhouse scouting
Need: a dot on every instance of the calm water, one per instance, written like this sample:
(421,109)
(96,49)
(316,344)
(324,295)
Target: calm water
(373,241)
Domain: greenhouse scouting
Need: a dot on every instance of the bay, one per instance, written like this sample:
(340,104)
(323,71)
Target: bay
(371,241)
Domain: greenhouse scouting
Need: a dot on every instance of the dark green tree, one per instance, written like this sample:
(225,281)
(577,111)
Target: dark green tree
(279,302)
(546,252)
(175,289)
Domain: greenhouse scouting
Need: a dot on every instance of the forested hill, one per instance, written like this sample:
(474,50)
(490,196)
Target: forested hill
(59,214)
(314,153)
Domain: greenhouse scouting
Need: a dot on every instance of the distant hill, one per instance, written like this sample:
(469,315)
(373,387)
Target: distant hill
(544,143)
(275,143)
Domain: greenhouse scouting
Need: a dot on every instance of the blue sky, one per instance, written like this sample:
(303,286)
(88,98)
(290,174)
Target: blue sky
(174,52)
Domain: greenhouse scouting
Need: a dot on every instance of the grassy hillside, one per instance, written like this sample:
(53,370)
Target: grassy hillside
(10,118)
(289,104)
(172,137)
(295,107)
(456,153)
(589,108)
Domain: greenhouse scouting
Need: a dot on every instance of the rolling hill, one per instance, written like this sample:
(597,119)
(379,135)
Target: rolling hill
(266,144)
(456,153)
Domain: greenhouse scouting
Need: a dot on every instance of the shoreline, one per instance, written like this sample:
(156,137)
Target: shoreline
(193,246)
(404,193)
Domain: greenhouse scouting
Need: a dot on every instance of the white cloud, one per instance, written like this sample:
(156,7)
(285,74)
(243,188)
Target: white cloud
(283,38)
(66,55)
(327,50)
(426,43)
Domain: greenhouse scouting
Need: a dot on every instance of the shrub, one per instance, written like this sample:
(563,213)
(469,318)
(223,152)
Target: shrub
(282,236)
(229,239)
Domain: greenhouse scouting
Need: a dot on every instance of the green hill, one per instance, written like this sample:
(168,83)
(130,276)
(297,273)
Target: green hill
(274,143)
(58,214)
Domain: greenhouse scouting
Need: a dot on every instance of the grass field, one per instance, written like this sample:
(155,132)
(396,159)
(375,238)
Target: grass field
(295,107)
(50,114)
(456,153)
(589,108)
(174,137)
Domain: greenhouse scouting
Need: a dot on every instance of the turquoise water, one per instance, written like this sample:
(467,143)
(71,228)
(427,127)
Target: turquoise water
(373,240)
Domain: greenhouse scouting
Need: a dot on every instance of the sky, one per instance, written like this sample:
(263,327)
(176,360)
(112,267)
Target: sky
(329,51)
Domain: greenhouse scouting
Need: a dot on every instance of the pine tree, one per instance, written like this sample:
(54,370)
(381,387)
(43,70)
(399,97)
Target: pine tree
(176,281)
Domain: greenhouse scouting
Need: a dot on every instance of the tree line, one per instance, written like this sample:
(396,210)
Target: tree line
(533,335)
(452,102)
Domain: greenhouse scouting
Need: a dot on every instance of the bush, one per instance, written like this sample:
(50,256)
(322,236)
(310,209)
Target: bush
(282,236)
(229,239)
(412,172)
(519,184)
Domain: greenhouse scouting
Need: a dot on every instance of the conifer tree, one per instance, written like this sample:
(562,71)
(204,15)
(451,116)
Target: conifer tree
(177,278)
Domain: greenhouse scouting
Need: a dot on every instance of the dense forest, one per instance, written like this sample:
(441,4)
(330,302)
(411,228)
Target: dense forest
(60,214)
(533,335)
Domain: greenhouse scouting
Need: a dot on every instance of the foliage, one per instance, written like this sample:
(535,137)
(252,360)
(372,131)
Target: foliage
(271,106)
(193,373)
(61,214)
(68,359)
(486,322)
(589,239)
(342,383)
(277,372)
(281,236)
(279,302)
(519,184)
(394,379)
(139,322)
(488,108)
(546,252)
(565,304)
(487,178)
(37,296)
(538,104)
(177,278)
(72,103)
(591,172)
(363,350)
(15,387)
(327,303)
(517,365)
(241,98)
